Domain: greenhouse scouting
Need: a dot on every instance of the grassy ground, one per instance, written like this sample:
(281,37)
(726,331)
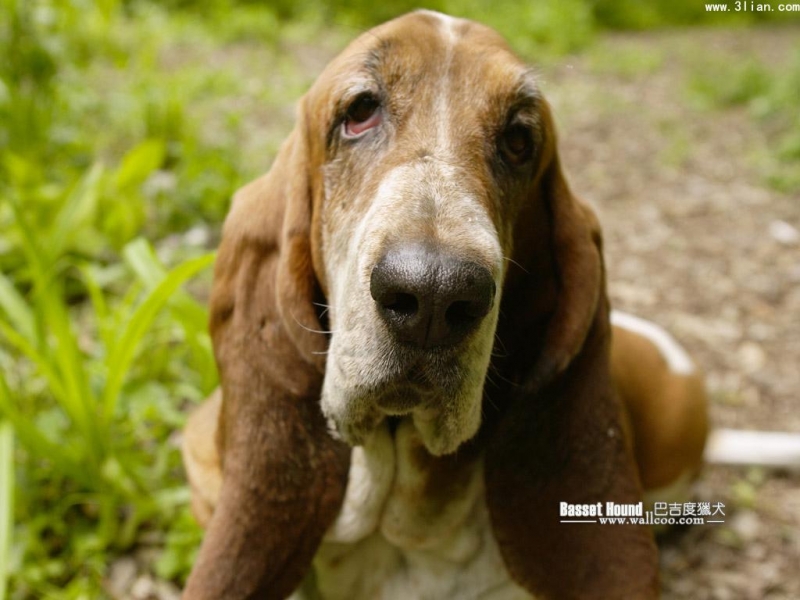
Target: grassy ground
(124,128)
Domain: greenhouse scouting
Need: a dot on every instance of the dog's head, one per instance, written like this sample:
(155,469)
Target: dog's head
(431,171)
(415,221)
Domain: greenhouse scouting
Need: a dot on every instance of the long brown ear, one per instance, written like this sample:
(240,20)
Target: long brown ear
(283,475)
(577,251)
(556,435)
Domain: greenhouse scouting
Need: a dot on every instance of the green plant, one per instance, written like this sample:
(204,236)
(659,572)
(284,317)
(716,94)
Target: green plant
(6,501)
(722,82)
(538,30)
(87,411)
(75,422)
(92,213)
(769,94)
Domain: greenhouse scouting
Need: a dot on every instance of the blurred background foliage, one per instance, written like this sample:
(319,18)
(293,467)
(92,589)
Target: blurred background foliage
(125,125)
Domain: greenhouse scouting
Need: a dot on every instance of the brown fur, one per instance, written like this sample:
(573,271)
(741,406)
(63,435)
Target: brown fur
(274,504)
(559,434)
(667,411)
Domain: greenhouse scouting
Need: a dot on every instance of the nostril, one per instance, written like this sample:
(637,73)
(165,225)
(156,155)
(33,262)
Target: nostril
(464,312)
(472,303)
(401,303)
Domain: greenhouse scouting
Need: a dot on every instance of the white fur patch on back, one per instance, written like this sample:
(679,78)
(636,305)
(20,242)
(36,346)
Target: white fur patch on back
(677,358)
(742,447)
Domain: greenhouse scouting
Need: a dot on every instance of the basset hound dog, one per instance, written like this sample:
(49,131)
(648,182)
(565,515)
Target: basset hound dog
(416,356)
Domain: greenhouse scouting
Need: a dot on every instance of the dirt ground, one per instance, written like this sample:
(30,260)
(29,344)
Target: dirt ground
(698,242)
(693,243)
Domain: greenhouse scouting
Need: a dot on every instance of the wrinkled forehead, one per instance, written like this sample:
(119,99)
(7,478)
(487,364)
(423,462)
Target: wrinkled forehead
(420,52)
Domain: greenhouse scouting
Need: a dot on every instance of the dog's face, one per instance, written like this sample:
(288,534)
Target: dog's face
(432,146)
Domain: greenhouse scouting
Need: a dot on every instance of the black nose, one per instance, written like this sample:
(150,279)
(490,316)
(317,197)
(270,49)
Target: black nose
(429,298)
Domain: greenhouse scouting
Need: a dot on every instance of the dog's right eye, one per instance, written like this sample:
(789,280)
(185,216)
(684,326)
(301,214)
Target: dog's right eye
(516,144)
(362,115)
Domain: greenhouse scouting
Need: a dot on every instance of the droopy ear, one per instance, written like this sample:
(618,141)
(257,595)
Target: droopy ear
(576,247)
(557,434)
(283,475)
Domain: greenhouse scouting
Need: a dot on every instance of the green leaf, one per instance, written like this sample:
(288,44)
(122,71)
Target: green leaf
(40,359)
(99,304)
(192,316)
(139,255)
(71,364)
(36,443)
(6,501)
(139,162)
(35,256)
(78,210)
(16,310)
(122,354)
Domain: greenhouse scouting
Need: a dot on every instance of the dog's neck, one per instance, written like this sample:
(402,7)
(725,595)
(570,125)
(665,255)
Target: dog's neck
(411,525)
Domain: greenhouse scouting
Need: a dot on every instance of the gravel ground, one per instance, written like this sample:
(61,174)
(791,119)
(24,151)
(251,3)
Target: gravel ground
(696,241)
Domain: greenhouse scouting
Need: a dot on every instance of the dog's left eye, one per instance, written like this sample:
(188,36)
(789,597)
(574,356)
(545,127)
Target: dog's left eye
(516,144)
(362,115)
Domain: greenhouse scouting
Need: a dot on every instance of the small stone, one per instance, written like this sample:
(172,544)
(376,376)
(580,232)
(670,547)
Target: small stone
(784,233)
(143,588)
(197,236)
(752,357)
(166,590)
(747,525)
(160,182)
(121,575)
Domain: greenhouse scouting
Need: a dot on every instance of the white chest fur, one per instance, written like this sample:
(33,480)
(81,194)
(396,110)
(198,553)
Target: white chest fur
(397,539)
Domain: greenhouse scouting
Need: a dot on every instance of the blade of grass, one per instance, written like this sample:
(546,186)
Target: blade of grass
(36,261)
(19,329)
(79,207)
(30,248)
(6,502)
(51,313)
(139,255)
(38,359)
(63,370)
(16,309)
(141,258)
(36,442)
(139,162)
(192,316)
(122,354)
(72,364)
(99,304)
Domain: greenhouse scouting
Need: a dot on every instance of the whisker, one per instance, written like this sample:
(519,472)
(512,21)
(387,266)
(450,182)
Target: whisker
(488,399)
(325,308)
(511,260)
(497,374)
(499,349)
(490,380)
(312,330)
